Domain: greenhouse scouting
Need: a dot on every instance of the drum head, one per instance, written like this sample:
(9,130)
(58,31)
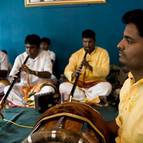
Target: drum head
(56,136)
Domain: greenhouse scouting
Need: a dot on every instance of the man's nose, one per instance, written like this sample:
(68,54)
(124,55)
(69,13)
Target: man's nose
(87,44)
(28,50)
(121,44)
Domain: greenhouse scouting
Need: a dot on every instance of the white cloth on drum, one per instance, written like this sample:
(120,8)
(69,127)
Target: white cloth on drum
(100,89)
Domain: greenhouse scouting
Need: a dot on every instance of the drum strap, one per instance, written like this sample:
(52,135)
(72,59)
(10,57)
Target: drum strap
(72,116)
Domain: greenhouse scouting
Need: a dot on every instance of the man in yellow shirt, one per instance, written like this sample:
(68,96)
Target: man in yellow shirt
(92,65)
(130,118)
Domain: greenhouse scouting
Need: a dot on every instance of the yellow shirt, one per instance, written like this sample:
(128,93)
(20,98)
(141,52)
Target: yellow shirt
(98,59)
(130,117)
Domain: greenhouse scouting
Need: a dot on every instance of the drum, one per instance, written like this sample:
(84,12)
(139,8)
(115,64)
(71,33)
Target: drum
(71,122)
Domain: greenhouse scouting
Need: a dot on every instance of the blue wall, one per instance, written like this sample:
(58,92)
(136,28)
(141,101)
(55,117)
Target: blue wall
(63,24)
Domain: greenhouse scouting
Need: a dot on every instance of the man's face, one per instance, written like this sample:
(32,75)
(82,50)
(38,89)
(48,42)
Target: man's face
(88,43)
(131,48)
(32,50)
(44,46)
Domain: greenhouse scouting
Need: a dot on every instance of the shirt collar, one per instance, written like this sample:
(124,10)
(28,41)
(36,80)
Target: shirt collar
(132,79)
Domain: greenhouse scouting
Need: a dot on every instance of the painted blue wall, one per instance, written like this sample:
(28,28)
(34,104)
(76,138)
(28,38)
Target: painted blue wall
(63,24)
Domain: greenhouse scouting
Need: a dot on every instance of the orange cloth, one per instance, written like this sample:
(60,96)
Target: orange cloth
(31,90)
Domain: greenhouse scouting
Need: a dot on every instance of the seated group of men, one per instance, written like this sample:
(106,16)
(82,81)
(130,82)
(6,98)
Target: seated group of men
(35,66)
(90,65)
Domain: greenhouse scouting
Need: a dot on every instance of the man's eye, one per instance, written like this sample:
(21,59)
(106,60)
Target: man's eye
(130,41)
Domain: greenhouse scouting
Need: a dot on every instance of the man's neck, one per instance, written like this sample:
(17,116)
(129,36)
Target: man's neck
(137,75)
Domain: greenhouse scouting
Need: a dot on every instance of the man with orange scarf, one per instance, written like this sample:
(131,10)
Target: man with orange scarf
(35,77)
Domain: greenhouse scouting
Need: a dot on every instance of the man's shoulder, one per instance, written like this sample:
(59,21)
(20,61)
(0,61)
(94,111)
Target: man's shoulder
(78,51)
(51,51)
(101,50)
(44,53)
(22,55)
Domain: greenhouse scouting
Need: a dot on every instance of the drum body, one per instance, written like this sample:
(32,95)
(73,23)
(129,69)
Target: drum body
(71,122)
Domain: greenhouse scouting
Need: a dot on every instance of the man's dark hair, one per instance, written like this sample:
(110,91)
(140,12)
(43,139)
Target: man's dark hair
(88,34)
(136,17)
(46,40)
(33,39)
(4,51)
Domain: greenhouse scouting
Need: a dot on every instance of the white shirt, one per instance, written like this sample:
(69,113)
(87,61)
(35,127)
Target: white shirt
(41,63)
(3,61)
(52,55)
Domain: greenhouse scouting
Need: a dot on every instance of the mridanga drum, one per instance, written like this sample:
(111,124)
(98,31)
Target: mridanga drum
(71,122)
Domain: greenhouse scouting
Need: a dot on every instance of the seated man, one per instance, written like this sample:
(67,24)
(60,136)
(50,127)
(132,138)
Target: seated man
(128,126)
(95,67)
(3,71)
(35,76)
(45,45)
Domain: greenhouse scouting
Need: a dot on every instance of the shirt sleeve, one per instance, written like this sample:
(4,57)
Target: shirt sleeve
(53,56)
(102,68)
(16,66)
(71,67)
(4,62)
(48,66)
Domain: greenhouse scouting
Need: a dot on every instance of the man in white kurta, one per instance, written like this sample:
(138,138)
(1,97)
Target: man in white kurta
(45,45)
(35,76)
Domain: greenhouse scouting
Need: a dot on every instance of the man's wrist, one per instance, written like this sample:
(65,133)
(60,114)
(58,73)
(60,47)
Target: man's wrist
(34,72)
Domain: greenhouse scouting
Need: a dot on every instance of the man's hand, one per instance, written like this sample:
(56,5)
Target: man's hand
(76,73)
(79,70)
(86,64)
(26,69)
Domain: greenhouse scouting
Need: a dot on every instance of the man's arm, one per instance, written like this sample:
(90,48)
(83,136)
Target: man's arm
(41,74)
(102,68)
(71,68)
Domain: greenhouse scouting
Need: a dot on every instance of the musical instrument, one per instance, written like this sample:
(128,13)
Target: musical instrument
(71,122)
(4,98)
(78,74)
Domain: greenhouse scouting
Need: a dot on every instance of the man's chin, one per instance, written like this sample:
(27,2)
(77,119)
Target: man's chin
(123,62)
